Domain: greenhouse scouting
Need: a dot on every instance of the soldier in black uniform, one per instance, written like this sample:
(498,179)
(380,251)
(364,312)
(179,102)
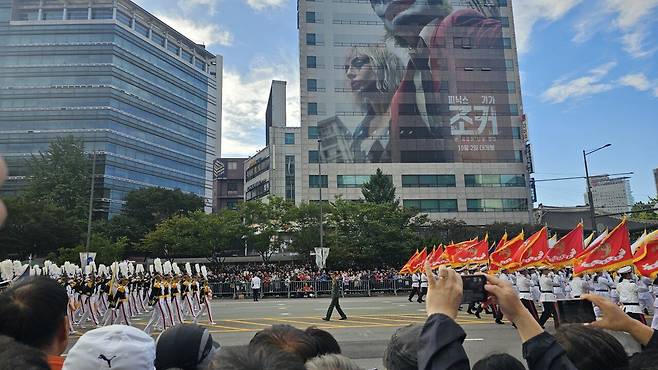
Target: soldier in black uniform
(87,290)
(335,295)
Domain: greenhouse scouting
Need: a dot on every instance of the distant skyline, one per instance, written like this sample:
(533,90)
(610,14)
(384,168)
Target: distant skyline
(589,71)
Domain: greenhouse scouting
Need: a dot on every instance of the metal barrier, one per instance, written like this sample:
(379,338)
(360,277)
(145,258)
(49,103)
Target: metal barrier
(311,288)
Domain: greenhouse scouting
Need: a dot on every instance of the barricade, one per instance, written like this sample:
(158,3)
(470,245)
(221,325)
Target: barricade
(302,289)
(380,287)
(276,289)
(322,288)
(356,288)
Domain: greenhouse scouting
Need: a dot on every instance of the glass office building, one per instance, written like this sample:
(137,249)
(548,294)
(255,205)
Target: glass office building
(141,95)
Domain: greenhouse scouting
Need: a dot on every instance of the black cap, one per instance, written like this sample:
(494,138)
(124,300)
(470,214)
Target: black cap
(184,346)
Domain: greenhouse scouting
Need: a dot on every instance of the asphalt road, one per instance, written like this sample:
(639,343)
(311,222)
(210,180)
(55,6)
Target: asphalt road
(363,337)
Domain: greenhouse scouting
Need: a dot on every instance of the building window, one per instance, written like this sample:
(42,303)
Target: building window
(494,181)
(518,156)
(261,165)
(232,186)
(311,84)
(516,132)
(101,13)
(502,3)
(290,177)
(313,132)
(172,47)
(75,14)
(232,165)
(52,14)
(289,138)
(496,205)
(258,190)
(124,18)
(200,64)
(314,181)
(311,61)
(431,205)
(142,29)
(232,204)
(514,109)
(310,17)
(158,38)
(507,43)
(27,15)
(509,64)
(310,39)
(313,156)
(511,87)
(187,56)
(354,181)
(428,181)
(312,109)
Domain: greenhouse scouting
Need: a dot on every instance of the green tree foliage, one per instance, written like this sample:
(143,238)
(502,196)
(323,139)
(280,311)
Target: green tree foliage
(645,211)
(36,228)
(267,224)
(305,228)
(61,177)
(379,189)
(106,250)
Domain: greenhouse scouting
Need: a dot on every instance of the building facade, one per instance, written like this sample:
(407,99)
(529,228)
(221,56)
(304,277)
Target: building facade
(229,183)
(611,195)
(655,177)
(428,92)
(141,95)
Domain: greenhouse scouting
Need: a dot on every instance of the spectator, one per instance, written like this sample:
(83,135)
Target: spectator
(34,313)
(332,362)
(590,348)
(15,355)
(445,351)
(327,344)
(265,358)
(116,347)
(499,361)
(286,338)
(184,346)
(402,350)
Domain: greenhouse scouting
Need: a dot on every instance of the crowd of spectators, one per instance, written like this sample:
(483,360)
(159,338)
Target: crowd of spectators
(33,335)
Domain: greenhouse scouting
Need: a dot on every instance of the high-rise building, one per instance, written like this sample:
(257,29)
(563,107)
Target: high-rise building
(427,91)
(611,195)
(136,91)
(229,183)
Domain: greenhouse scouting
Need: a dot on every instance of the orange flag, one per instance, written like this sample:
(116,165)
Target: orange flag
(439,258)
(418,262)
(646,256)
(502,256)
(566,249)
(476,253)
(533,251)
(612,253)
(405,268)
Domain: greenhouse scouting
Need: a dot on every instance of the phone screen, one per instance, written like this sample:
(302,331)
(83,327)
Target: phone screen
(575,311)
(474,288)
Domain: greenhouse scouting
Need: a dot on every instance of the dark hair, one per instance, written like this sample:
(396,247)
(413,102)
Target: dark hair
(645,360)
(33,310)
(14,355)
(499,361)
(402,350)
(589,348)
(265,358)
(327,344)
(286,338)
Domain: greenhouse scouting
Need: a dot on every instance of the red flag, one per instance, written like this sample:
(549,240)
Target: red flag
(418,262)
(502,257)
(492,266)
(405,268)
(612,253)
(646,256)
(439,258)
(566,249)
(533,251)
(476,253)
(591,246)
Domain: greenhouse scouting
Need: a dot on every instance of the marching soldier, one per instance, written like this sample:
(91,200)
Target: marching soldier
(547,298)
(629,294)
(524,284)
(335,295)
(415,286)
(206,296)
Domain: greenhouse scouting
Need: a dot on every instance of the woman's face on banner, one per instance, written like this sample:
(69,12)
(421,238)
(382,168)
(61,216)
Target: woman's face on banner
(359,71)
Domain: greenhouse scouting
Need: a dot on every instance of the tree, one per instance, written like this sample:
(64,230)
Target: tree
(645,211)
(106,251)
(61,177)
(36,228)
(150,206)
(304,228)
(379,189)
(266,224)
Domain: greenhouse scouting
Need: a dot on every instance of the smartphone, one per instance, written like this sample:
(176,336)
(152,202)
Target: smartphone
(575,311)
(474,288)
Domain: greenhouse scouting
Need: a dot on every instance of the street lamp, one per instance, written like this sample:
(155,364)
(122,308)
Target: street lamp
(320,187)
(590,197)
(91,206)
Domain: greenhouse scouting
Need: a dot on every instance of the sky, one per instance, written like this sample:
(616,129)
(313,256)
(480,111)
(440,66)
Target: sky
(589,72)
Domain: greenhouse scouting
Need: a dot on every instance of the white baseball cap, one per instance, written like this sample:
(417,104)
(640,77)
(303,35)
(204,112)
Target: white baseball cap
(625,270)
(116,347)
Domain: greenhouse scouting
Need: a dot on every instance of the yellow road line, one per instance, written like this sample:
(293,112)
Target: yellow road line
(247,322)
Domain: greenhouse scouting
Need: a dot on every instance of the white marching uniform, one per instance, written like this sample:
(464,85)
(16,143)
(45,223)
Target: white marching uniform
(601,286)
(646,294)
(546,285)
(524,285)
(579,287)
(423,280)
(654,322)
(558,286)
(415,280)
(629,296)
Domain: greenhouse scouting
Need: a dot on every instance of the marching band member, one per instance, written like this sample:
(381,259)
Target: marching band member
(602,287)
(155,300)
(206,296)
(87,291)
(579,286)
(547,299)
(629,294)
(524,283)
(415,286)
